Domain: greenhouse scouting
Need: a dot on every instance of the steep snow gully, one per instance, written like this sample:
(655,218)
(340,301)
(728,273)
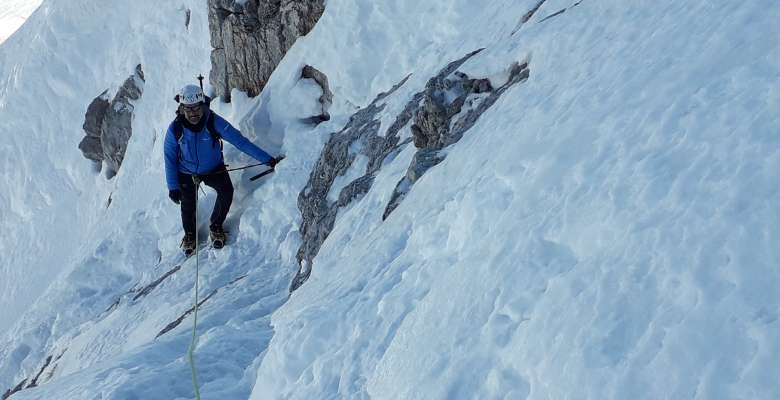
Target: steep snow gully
(509,199)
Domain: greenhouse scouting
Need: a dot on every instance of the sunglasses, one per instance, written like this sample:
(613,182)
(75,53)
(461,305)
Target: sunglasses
(191,108)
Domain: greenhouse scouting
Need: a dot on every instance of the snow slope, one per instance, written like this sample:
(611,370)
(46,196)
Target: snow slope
(605,231)
(13,13)
(61,59)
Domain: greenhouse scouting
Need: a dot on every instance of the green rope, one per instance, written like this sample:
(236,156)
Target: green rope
(194,342)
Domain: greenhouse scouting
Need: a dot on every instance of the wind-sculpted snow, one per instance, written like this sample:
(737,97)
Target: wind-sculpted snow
(137,333)
(67,259)
(53,203)
(606,229)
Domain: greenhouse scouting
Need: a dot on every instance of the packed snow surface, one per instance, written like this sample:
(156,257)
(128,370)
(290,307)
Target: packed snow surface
(13,13)
(607,230)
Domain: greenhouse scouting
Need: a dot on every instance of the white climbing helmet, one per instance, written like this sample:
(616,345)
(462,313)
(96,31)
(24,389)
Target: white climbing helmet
(191,94)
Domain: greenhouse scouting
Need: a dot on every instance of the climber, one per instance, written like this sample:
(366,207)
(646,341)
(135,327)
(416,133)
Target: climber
(193,149)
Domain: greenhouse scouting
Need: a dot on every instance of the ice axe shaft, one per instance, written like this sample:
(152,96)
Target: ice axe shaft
(266,172)
(262,174)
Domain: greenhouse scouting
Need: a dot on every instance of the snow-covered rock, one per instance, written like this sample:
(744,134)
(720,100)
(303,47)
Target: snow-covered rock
(606,229)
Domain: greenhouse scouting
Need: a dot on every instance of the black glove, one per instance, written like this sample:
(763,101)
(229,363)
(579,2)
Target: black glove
(272,163)
(175,195)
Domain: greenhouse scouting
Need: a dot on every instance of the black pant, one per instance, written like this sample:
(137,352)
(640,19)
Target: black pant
(219,182)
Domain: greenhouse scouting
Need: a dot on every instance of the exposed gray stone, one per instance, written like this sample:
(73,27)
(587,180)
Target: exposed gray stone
(117,124)
(442,122)
(34,382)
(359,136)
(15,389)
(95,114)
(90,146)
(108,125)
(431,129)
(326,99)
(49,362)
(422,161)
(528,15)
(553,15)
(449,105)
(250,38)
(559,12)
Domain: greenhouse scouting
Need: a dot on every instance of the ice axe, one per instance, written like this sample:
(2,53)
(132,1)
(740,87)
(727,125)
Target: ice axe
(268,171)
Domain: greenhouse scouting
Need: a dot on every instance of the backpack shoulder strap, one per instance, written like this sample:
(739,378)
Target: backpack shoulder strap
(178,130)
(212,128)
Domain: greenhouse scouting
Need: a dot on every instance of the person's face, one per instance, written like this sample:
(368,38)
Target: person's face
(193,113)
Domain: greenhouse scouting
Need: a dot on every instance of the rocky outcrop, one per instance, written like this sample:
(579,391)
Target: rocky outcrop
(117,124)
(443,112)
(93,121)
(326,99)
(359,136)
(449,106)
(559,12)
(250,37)
(49,362)
(108,125)
(528,15)
(14,389)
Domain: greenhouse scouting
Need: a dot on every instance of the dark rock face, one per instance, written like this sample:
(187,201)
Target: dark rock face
(108,125)
(449,106)
(13,390)
(250,38)
(93,122)
(528,15)
(49,362)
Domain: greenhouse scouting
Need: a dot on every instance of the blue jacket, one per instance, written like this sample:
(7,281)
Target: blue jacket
(198,153)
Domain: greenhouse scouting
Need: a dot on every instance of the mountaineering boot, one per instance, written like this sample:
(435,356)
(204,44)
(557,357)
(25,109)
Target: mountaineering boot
(218,236)
(188,244)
